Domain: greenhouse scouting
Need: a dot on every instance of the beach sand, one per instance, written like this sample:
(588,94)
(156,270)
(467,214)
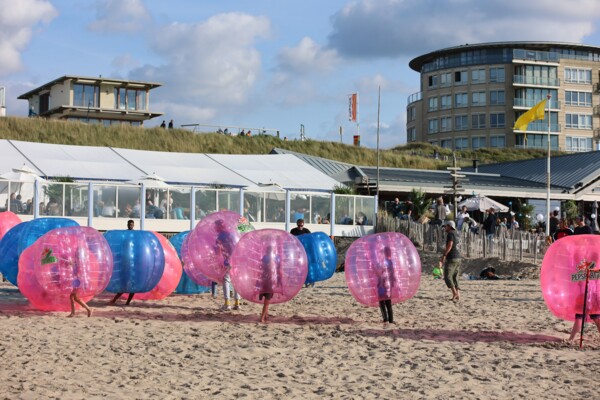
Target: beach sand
(498,342)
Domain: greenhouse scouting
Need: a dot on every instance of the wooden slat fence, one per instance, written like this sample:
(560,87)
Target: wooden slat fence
(507,245)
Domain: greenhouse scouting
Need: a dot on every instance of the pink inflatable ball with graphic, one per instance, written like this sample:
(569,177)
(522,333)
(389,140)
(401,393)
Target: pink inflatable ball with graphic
(268,261)
(562,277)
(67,260)
(383,266)
(189,268)
(171,274)
(211,244)
(8,219)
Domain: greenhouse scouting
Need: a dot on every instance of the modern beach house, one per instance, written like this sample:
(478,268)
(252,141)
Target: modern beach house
(93,100)
(471,96)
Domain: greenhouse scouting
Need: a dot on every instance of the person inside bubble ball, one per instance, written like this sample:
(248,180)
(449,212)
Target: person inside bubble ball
(592,306)
(224,245)
(48,258)
(270,280)
(385,283)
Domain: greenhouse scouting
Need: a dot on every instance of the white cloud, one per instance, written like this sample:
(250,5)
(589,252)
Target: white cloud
(307,57)
(120,16)
(210,66)
(17,22)
(393,28)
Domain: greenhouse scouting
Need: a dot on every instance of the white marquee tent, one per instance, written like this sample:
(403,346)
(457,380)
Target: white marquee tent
(87,163)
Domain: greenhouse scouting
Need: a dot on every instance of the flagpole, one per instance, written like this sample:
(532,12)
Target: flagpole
(377,191)
(549,96)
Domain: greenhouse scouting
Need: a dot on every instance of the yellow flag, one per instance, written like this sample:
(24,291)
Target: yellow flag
(536,112)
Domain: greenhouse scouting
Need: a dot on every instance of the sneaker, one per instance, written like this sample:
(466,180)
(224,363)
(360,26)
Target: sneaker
(226,308)
(237,307)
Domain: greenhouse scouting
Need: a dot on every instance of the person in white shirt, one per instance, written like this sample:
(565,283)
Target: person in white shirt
(460,218)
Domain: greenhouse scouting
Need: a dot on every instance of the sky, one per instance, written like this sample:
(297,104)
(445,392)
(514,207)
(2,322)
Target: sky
(274,64)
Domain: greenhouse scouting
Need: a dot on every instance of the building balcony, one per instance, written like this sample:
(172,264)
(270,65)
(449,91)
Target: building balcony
(542,127)
(415,97)
(535,81)
(528,103)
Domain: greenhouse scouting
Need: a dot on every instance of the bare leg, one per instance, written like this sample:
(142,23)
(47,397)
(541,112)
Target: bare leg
(597,322)
(576,329)
(265,311)
(72,299)
(455,294)
(82,304)
(129,298)
(114,300)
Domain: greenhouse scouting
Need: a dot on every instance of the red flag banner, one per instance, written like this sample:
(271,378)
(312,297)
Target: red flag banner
(353,107)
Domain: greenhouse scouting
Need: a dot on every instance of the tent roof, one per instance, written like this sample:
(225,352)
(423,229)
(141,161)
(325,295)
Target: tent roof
(111,164)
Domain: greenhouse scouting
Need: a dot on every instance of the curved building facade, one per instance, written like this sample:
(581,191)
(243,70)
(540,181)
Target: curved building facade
(471,96)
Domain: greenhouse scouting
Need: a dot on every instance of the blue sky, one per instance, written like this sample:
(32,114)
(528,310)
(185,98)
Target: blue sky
(274,64)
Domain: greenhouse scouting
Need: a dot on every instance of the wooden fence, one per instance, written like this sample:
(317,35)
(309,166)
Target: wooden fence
(507,245)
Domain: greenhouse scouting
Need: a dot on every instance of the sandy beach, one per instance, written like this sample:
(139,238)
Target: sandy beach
(498,342)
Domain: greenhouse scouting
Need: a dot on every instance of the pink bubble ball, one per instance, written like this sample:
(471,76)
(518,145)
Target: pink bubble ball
(8,219)
(562,287)
(190,269)
(268,261)
(382,266)
(73,259)
(210,246)
(171,274)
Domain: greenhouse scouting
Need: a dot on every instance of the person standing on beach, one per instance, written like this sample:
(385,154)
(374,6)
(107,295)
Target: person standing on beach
(451,259)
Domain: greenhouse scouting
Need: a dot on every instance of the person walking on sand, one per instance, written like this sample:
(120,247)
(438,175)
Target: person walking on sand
(451,259)
(270,280)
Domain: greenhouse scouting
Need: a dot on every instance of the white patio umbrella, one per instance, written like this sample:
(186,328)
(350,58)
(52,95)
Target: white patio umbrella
(152,181)
(482,203)
(22,180)
(22,175)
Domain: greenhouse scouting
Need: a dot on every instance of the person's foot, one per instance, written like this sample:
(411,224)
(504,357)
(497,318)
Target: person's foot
(226,308)
(71,315)
(237,307)
(89,312)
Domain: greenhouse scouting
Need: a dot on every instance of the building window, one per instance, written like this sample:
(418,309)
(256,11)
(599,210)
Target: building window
(536,75)
(574,143)
(446,102)
(461,122)
(446,124)
(582,99)
(433,126)
(478,75)
(461,78)
(411,134)
(412,114)
(478,121)
(497,120)
(478,99)
(578,75)
(496,97)
(478,142)
(497,74)
(433,81)
(461,143)
(446,79)
(433,104)
(578,121)
(86,95)
(461,100)
(497,141)
(446,143)
(130,99)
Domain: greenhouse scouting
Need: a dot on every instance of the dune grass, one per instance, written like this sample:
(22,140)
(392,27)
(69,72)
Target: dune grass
(418,156)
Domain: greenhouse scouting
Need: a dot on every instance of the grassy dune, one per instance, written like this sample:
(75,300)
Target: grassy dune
(419,156)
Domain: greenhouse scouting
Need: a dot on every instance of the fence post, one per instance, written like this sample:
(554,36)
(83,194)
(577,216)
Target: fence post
(520,246)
